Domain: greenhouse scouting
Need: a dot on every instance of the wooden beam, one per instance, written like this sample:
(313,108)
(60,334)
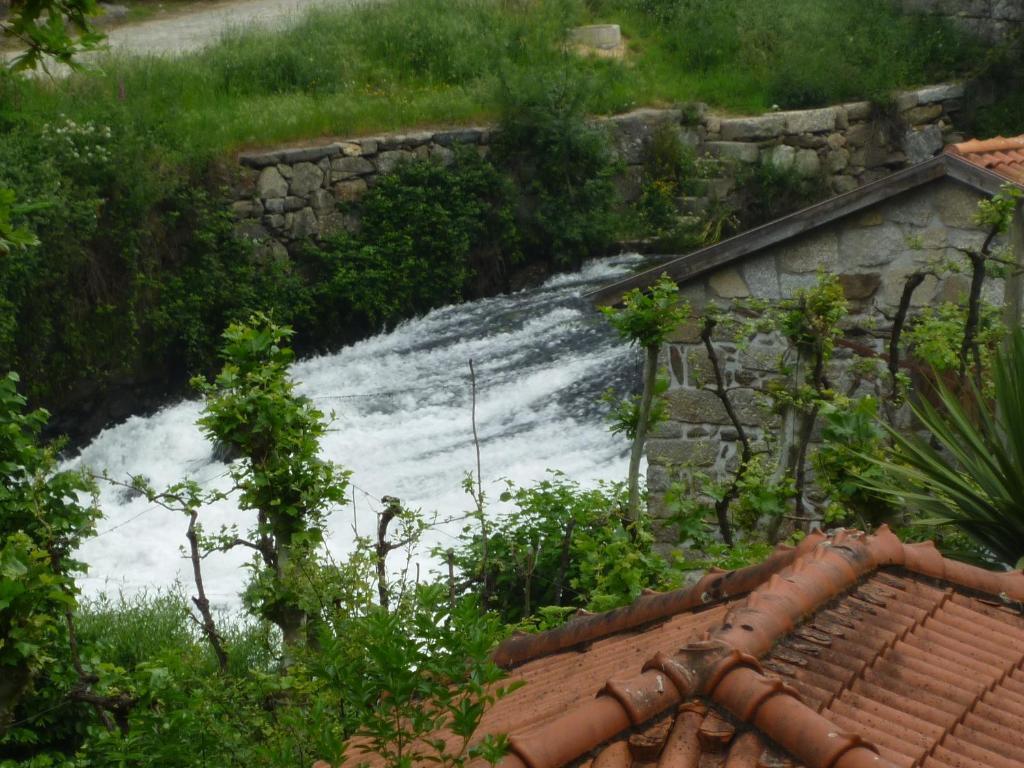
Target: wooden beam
(981,179)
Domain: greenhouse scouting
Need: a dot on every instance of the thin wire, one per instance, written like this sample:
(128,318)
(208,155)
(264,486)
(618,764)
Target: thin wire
(37,715)
(122,524)
(151,508)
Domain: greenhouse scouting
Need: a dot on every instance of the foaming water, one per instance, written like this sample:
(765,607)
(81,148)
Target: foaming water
(402,423)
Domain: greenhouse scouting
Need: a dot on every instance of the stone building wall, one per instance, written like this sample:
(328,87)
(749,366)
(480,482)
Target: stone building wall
(995,21)
(873,252)
(288,195)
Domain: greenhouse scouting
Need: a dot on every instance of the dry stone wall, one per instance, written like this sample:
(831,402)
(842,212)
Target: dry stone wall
(996,21)
(286,196)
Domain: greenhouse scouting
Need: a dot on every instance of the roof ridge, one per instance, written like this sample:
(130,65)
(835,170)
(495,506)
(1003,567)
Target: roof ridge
(724,666)
(714,587)
(1001,155)
(995,144)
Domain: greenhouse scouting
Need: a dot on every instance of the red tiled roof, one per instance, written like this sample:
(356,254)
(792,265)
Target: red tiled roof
(1002,156)
(848,651)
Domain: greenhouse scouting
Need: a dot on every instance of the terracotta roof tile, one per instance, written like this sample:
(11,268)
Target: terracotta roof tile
(1000,155)
(850,651)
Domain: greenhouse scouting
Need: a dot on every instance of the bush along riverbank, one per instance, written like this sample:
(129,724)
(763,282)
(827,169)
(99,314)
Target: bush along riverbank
(138,267)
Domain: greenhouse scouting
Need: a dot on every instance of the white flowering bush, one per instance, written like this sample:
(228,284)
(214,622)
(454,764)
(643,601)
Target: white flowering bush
(79,143)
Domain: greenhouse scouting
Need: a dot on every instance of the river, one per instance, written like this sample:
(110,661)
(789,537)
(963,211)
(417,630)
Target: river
(402,424)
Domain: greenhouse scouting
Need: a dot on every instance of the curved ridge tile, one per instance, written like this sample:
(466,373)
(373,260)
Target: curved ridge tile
(746,751)
(712,587)
(644,696)
(778,712)
(925,559)
(615,755)
(570,736)
(683,748)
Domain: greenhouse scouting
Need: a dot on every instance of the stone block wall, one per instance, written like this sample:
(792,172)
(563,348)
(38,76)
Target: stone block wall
(995,21)
(873,252)
(288,195)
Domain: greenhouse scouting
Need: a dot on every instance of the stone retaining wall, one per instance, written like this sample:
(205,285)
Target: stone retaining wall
(996,21)
(288,195)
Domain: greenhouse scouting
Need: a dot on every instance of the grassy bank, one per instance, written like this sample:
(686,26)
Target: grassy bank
(383,66)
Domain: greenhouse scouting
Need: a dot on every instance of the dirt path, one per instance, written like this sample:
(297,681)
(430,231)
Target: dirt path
(195,27)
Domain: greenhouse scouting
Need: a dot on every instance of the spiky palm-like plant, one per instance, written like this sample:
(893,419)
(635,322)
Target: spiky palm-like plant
(972,474)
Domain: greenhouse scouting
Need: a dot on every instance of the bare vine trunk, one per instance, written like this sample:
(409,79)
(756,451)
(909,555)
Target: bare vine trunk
(383,548)
(790,439)
(898,323)
(643,417)
(969,348)
(478,496)
(1013,302)
(200,600)
(746,453)
(563,561)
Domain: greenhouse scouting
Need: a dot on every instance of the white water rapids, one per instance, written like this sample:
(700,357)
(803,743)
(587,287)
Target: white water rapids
(402,426)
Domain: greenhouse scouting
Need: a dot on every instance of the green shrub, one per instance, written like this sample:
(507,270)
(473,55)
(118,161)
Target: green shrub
(667,158)
(770,191)
(936,334)
(42,524)
(564,166)
(672,171)
(427,232)
(212,278)
(1004,118)
(658,207)
(75,298)
(561,545)
(137,270)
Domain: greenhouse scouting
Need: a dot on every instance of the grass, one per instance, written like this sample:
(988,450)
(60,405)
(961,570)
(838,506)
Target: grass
(383,66)
(147,626)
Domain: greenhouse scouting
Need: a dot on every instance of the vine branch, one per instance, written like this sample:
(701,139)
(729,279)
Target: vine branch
(722,504)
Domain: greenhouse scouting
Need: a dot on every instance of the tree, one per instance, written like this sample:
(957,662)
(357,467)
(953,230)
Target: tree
(252,408)
(645,319)
(56,29)
(42,522)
